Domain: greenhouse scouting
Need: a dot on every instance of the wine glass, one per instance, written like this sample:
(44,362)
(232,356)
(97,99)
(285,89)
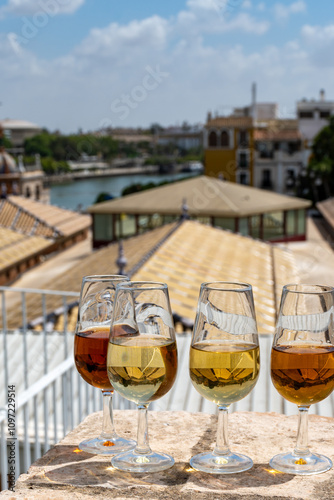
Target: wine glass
(224,363)
(90,354)
(142,362)
(302,365)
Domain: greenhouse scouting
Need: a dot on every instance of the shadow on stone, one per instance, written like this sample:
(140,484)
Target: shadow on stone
(93,473)
(261,475)
(61,454)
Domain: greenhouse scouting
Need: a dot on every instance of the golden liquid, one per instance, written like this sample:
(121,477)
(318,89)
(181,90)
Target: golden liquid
(303,374)
(224,374)
(142,368)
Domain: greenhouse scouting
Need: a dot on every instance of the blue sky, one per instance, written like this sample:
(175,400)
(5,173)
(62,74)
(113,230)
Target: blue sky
(70,64)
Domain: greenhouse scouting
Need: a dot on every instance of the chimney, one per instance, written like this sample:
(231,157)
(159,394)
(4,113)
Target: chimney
(322,95)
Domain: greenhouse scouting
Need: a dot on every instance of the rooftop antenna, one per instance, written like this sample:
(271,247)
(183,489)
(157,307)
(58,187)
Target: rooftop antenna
(121,259)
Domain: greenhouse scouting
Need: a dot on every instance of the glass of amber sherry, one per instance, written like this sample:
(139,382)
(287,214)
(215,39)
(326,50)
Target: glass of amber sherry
(302,366)
(142,362)
(224,363)
(90,354)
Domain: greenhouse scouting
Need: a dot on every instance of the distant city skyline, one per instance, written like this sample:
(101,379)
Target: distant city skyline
(80,64)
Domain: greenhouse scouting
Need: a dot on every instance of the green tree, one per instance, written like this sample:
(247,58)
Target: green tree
(40,143)
(321,164)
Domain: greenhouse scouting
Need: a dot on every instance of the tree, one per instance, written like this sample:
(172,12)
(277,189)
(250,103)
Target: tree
(321,164)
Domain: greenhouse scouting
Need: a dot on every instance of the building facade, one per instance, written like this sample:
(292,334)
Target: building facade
(229,148)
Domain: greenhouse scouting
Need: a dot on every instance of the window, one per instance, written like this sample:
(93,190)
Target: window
(265,149)
(266,182)
(225,140)
(305,114)
(243,179)
(243,138)
(212,139)
(324,114)
(243,160)
(224,223)
(103,227)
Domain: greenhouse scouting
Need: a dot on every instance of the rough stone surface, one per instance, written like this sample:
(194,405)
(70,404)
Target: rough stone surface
(64,473)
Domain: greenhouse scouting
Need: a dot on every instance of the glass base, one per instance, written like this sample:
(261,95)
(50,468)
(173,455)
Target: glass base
(304,465)
(221,464)
(131,461)
(111,446)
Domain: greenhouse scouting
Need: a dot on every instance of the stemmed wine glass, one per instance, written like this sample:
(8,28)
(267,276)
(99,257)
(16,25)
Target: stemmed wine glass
(142,362)
(90,354)
(224,363)
(302,365)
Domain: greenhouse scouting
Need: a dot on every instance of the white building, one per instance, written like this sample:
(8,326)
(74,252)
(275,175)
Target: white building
(313,115)
(17,131)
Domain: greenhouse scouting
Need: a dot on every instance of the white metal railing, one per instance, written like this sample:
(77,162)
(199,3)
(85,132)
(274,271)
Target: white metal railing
(50,396)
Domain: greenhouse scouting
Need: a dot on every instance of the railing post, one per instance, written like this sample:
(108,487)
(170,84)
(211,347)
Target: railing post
(3,451)
(45,335)
(37,445)
(25,347)
(4,326)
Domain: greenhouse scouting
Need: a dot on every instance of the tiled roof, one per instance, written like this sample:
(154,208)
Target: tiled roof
(15,247)
(206,196)
(277,135)
(101,261)
(230,122)
(65,222)
(326,208)
(196,253)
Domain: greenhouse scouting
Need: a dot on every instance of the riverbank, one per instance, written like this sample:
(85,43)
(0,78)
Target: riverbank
(66,178)
(83,192)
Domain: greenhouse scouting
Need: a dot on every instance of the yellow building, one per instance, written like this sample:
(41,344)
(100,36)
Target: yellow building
(229,147)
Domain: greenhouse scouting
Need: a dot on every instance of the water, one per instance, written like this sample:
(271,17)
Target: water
(83,193)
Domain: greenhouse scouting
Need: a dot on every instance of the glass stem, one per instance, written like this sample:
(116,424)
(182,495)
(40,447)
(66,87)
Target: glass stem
(222,447)
(302,433)
(143,446)
(108,429)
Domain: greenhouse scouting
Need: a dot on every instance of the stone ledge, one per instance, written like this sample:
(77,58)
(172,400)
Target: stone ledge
(64,473)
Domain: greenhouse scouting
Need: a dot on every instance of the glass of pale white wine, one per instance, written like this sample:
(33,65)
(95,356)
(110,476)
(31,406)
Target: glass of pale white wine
(142,362)
(224,363)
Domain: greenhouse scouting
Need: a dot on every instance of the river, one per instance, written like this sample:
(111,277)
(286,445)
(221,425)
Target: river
(83,193)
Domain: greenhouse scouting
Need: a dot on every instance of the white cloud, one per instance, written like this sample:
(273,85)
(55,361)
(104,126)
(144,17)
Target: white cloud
(247,4)
(283,12)
(318,35)
(202,18)
(261,6)
(35,7)
(205,72)
(135,36)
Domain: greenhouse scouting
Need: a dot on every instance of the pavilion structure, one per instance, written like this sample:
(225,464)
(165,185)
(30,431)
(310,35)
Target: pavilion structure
(241,209)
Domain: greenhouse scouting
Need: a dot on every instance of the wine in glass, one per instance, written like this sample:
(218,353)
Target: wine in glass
(302,365)
(142,362)
(90,354)
(224,363)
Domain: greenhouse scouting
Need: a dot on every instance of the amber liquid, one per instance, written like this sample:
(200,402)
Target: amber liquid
(303,374)
(224,374)
(142,368)
(90,355)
